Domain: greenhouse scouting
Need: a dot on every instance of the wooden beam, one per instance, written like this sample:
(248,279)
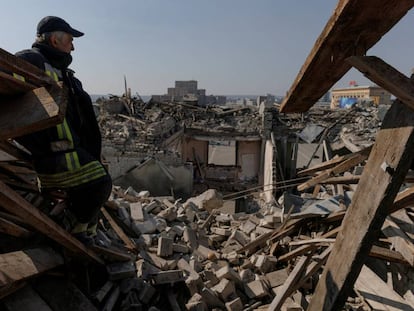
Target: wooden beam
(118,230)
(378,294)
(46,106)
(12,229)
(344,166)
(15,204)
(10,64)
(288,286)
(354,27)
(22,265)
(385,76)
(380,182)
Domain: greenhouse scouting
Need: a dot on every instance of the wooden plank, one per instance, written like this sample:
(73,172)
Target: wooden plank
(354,27)
(12,229)
(400,241)
(381,179)
(386,254)
(340,168)
(404,198)
(378,71)
(9,85)
(378,294)
(25,264)
(118,230)
(10,64)
(46,106)
(288,285)
(15,204)
(14,151)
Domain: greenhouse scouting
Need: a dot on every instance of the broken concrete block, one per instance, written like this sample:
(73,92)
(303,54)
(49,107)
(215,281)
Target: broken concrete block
(169,214)
(121,270)
(228,273)
(234,305)
(248,226)
(277,278)
(190,237)
(180,248)
(148,226)
(160,224)
(208,200)
(221,231)
(150,206)
(256,290)
(137,212)
(206,253)
(143,194)
(196,303)
(210,276)
(232,257)
(146,293)
(165,247)
(211,299)
(168,277)
(178,229)
(265,263)
(247,276)
(225,289)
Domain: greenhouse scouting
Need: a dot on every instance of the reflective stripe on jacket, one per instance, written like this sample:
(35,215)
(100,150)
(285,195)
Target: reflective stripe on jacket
(65,155)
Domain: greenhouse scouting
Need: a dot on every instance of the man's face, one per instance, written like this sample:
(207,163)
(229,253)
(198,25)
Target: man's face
(63,43)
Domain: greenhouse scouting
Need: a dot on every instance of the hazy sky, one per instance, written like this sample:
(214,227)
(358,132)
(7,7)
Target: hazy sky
(229,46)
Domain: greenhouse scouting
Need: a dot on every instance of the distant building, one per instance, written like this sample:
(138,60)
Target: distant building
(346,97)
(188,91)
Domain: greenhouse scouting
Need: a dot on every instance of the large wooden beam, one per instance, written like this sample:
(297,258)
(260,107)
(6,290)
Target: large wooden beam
(15,204)
(354,27)
(383,175)
(33,111)
(10,64)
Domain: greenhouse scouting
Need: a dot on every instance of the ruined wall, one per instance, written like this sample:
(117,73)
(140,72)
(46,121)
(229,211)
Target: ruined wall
(248,157)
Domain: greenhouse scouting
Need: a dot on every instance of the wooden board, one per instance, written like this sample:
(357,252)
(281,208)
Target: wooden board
(10,64)
(22,265)
(9,85)
(385,76)
(378,294)
(14,203)
(46,107)
(381,179)
(354,27)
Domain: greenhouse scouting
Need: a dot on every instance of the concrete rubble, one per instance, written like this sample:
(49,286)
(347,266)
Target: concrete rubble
(170,253)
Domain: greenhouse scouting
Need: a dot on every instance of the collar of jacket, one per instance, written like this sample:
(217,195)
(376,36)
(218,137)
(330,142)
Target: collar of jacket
(56,58)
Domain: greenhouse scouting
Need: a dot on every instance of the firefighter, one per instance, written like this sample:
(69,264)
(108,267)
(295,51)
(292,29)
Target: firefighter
(67,157)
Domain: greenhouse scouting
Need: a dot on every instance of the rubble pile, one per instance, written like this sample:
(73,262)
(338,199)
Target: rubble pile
(353,128)
(147,125)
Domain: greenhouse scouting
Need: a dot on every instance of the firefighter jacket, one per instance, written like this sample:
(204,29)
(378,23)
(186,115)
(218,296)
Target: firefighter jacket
(66,155)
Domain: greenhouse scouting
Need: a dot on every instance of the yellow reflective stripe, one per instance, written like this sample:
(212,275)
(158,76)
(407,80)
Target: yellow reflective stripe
(18,77)
(53,75)
(88,172)
(76,160)
(59,129)
(72,160)
(68,133)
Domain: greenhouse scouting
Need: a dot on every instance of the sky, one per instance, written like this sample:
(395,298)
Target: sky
(231,47)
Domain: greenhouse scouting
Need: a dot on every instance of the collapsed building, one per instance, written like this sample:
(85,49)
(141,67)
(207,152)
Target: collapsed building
(327,217)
